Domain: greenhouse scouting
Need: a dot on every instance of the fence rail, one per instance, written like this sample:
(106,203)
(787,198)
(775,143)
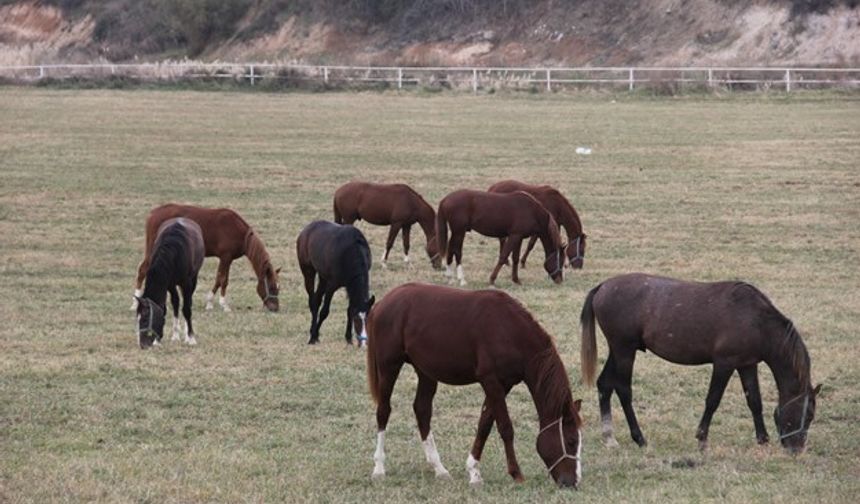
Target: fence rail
(474,78)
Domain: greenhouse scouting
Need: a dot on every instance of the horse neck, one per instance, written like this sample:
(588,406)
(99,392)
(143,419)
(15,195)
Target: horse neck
(568,218)
(256,253)
(789,363)
(357,289)
(427,219)
(161,271)
(547,381)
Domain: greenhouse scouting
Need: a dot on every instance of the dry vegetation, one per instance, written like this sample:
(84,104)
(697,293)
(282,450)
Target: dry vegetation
(760,188)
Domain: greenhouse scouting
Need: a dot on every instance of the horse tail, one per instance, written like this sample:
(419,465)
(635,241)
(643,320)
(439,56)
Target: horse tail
(442,232)
(372,370)
(588,348)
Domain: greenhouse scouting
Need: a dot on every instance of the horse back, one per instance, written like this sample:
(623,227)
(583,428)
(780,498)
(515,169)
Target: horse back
(193,239)
(380,204)
(223,229)
(683,322)
(332,249)
(427,324)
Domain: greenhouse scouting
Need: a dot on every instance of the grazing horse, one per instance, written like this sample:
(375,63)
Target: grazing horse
(561,210)
(730,324)
(340,256)
(177,255)
(461,337)
(512,216)
(228,237)
(397,205)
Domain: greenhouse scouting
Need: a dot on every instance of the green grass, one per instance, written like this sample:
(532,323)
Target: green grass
(763,188)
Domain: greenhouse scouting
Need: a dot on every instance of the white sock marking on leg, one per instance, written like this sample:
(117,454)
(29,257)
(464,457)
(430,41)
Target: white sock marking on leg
(209,297)
(175,336)
(579,460)
(472,469)
(223,302)
(432,456)
(461,275)
(608,436)
(379,456)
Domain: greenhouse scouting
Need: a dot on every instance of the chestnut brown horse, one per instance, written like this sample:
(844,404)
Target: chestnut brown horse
(461,337)
(177,255)
(730,324)
(228,237)
(561,210)
(340,257)
(511,217)
(395,205)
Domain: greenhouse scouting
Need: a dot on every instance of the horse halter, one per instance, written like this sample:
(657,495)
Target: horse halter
(150,330)
(564,453)
(559,266)
(579,254)
(803,427)
(269,294)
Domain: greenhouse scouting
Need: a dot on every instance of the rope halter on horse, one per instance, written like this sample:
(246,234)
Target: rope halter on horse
(564,453)
(803,427)
(558,263)
(150,330)
(578,255)
(269,294)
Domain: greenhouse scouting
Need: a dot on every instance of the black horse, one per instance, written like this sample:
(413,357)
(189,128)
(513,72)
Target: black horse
(177,255)
(730,324)
(339,254)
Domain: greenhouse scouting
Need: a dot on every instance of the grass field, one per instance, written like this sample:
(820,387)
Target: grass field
(765,189)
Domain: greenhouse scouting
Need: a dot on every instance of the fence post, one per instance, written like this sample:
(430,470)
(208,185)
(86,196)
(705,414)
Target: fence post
(399,78)
(787,80)
(630,79)
(41,72)
(252,75)
(548,80)
(325,75)
(710,77)
(113,69)
(475,80)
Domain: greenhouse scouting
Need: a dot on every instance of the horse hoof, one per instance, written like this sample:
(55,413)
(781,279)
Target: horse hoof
(443,475)
(476,482)
(610,443)
(703,445)
(377,476)
(191,341)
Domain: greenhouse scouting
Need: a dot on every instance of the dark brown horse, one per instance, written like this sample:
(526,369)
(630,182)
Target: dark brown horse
(512,217)
(340,257)
(228,237)
(177,255)
(461,337)
(395,205)
(561,210)
(730,324)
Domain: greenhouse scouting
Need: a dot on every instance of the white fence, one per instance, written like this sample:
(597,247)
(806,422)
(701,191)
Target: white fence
(473,78)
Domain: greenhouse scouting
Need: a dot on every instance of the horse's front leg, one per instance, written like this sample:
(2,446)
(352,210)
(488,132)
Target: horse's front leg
(719,379)
(187,292)
(496,399)
(507,248)
(406,232)
(529,248)
(749,380)
(392,235)
(174,302)
(485,426)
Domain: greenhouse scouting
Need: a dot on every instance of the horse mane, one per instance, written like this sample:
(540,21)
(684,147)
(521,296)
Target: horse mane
(791,347)
(162,264)
(554,233)
(552,389)
(257,253)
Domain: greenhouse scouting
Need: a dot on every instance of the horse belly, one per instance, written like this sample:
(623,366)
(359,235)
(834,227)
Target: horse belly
(680,348)
(440,366)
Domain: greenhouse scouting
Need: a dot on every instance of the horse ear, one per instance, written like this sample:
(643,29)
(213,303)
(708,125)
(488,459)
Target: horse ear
(278,271)
(370,302)
(577,405)
(138,299)
(816,390)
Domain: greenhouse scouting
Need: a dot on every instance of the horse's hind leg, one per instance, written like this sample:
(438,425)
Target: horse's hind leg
(485,426)
(220,282)
(314,305)
(174,301)
(719,379)
(423,407)
(605,387)
(622,382)
(387,379)
(455,249)
(510,244)
(749,380)
(138,283)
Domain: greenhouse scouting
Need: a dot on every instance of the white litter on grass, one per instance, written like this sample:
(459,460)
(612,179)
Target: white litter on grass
(584,151)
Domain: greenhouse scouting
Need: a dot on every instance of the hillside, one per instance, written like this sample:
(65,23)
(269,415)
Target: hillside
(436,32)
